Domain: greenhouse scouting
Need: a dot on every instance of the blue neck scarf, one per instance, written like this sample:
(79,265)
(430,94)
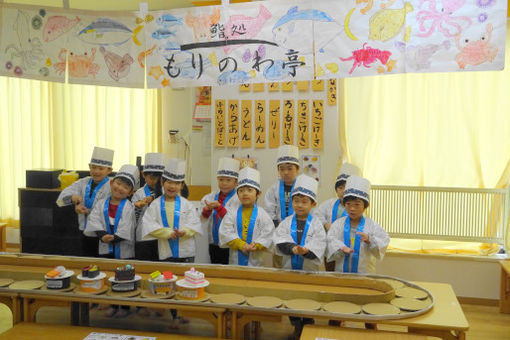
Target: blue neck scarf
(147,190)
(89,200)
(357,244)
(216,220)
(282,200)
(334,214)
(113,248)
(242,259)
(297,260)
(174,244)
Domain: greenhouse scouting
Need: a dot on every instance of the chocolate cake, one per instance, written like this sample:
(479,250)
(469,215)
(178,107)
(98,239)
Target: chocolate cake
(125,273)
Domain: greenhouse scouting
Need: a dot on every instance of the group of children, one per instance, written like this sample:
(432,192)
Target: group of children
(289,231)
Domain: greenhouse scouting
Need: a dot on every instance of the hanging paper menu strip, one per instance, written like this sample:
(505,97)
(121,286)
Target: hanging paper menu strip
(274,123)
(317,123)
(287,86)
(302,128)
(288,122)
(246,123)
(258,87)
(273,87)
(233,123)
(303,85)
(318,85)
(219,124)
(331,91)
(260,124)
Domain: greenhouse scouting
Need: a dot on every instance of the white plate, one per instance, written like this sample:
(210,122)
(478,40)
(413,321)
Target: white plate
(184,284)
(137,278)
(99,277)
(68,273)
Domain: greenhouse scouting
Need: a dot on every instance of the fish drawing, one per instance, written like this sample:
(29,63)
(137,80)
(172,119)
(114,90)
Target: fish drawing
(162,34)
(243,27)
(233,77)
(57,25)
(168,20)
(105,31)
(118,67)
(418,57)
(168,48)
(387,23)
(291,29)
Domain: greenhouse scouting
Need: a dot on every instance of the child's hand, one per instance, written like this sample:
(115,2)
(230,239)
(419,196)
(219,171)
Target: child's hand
(302,250)
(246,249)
(76,199)
(81,209)
(347,250)
(149,199)
(179,233)
(173,235)
(140,204)
(327,226)
(364,237)
(107,238)
(212,205)
(295,250)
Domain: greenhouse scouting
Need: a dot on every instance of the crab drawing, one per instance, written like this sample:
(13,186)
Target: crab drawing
(80,66)
(476,52)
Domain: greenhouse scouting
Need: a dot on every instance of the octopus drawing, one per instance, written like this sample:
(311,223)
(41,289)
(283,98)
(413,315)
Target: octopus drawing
(442,20)
(28,49)
(476,52)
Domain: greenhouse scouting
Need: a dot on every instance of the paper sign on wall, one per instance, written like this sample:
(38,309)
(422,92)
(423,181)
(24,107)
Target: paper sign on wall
(273,87)
(317,124)
(331,91)
(258,87)
(302,128)
(244,87)
(318,85)
(287,86)
(303,85)
(274,123)
(246,123)
(219,123)
(233,123)
(260,124)
(288,122)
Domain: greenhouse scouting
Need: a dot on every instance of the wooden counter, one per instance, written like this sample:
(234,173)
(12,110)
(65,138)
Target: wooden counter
(504,299)
(30,331)
(311,332)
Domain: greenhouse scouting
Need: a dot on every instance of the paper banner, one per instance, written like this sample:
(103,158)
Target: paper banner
(219,123)
(287,86)
(302,124)
(288,122)
(107,50)
(331,91)
(246,123)
(29,49)
(244,87)
(273,87)
(317,127)
(260,124)
(274,123)
(233,123)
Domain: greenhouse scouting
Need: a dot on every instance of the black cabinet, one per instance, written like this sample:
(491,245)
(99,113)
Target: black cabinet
(44,227)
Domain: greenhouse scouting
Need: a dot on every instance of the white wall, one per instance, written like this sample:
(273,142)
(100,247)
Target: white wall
(330,154)
(474,277)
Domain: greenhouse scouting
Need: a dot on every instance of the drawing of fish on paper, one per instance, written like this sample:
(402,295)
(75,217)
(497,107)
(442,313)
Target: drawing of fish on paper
(58,25)
(168,20)
(243,27)
(105,31)
(293,31)
(118,67)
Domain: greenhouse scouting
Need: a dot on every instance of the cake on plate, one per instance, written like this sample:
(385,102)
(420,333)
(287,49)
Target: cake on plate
(162,283)
(125,279)
(91,279)
(192,287)
(58,278)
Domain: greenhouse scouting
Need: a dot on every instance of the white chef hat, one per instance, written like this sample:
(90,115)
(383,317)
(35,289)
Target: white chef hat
(357,186)
(102,157)
(228,167)
(131,173)
(346,170)
(175,170)
(249,177)
(288,154)
(154,162)
(306,185)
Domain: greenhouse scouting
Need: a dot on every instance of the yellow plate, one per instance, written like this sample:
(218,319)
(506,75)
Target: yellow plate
(148,295)
(412,293)
(264,301)
(409,304)
(131,293)
(28,284)
(228,299)
(380,309)
(393,283)
(343,307)
(5,282)
(68,289)
(302,304)
(99,292)
(204,298)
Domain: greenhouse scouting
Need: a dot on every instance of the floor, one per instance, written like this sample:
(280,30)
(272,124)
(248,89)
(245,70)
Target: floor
(486,323)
